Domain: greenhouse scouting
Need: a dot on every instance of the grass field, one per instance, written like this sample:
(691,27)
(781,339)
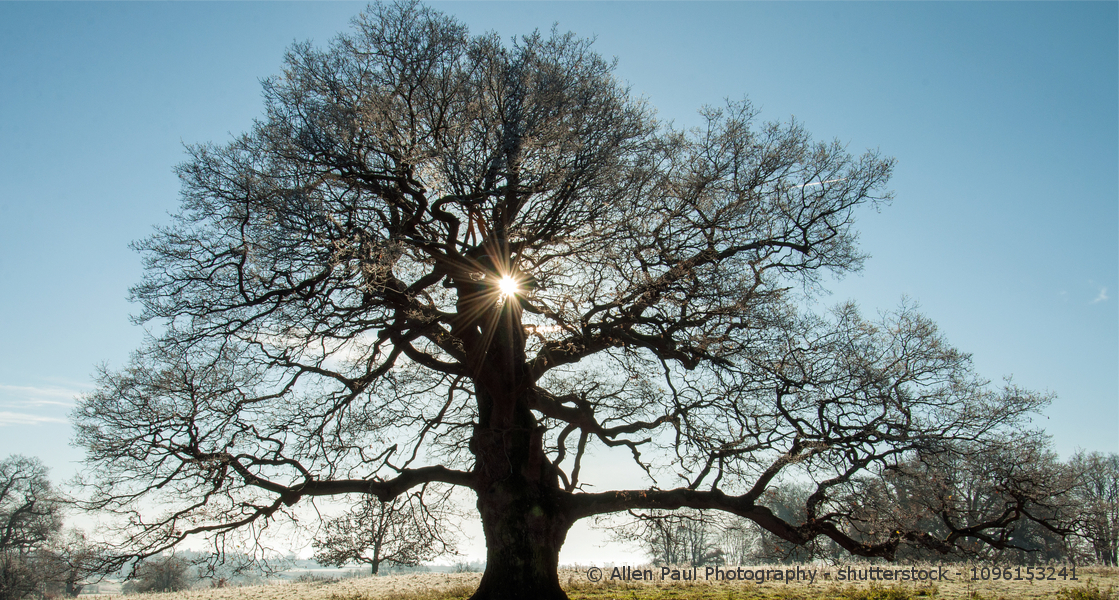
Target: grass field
(1091,584)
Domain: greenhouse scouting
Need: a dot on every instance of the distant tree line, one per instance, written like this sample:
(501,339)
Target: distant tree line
(1082,493)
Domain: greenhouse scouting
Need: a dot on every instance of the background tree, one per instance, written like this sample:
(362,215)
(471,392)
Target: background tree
(749,543)
(441,258)
(38,556)
(404,531)
(1017,482)
(1005,499)
(30,517)
(159,574)
(69,563)
(1096,495)
(17,577)
(683,537)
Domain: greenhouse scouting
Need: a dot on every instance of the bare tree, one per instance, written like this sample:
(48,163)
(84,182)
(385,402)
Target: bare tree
(37,556)
(17,577)
(30,517)
(1006,498)
(159,574)
(30,511)
(683,537)
(69,563)
(404,531)
(1096,494)
(440,258)
(746,542)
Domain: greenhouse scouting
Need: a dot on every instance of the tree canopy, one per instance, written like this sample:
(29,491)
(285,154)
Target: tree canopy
(444,258)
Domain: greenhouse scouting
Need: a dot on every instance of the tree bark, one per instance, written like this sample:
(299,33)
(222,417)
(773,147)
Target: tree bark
(524,533)
(525,514)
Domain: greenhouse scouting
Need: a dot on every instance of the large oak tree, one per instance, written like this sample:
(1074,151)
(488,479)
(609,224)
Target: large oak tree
(443,258)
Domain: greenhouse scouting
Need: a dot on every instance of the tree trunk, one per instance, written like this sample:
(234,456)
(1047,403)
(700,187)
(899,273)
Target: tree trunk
(522,507)
(376,562)
(524,534)
(523,511)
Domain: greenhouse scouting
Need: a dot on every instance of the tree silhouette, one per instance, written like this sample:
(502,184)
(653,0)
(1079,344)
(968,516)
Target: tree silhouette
(404,531)
(441,258)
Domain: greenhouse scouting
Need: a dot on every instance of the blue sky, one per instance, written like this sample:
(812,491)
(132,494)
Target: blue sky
(1004,119)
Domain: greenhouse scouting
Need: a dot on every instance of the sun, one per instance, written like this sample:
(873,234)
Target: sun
(508,286)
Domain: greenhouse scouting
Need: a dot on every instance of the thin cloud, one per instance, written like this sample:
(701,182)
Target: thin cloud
(40,396)
(25,405)
(14,418)
(38,402)
(1101,297)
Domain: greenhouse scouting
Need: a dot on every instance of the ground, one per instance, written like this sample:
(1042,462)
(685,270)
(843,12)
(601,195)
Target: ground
(1093,583)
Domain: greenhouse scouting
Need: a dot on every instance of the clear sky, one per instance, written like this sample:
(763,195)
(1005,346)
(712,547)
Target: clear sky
(1004,119)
